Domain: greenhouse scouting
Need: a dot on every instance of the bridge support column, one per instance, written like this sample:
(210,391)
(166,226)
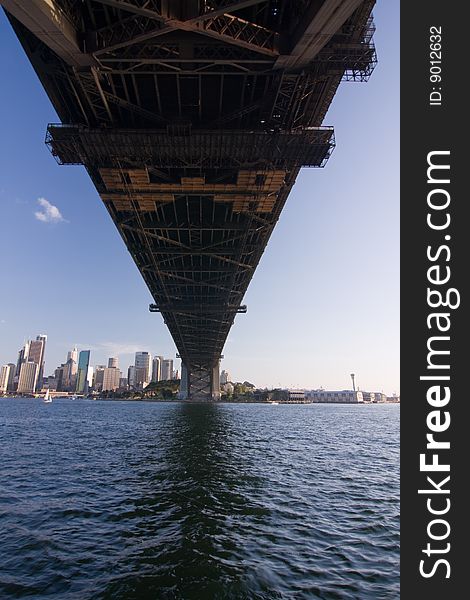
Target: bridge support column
(200,383)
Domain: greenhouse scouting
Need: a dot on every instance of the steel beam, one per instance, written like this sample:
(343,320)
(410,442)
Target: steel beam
(49,23)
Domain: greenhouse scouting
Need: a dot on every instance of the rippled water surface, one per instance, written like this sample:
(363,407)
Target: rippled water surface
(128,500)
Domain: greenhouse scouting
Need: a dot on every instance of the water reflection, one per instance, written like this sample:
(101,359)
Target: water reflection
(185,536)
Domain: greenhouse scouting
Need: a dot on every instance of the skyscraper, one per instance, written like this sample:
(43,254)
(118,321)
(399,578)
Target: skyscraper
(113,363)
(143,361)
(131,376)
(82,374)
(22,358)
(36,354)
(157,368)
(111,376)
(7,372)
(28,377)
(73,354)
(225,377)
(98,378)
(167,369)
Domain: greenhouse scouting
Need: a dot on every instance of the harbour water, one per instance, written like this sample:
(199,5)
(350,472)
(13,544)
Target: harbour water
(138,500)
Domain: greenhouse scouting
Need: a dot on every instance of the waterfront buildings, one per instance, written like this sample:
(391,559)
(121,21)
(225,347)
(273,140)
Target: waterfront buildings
(290,396)
(83,372)
(336,397)
(28,377)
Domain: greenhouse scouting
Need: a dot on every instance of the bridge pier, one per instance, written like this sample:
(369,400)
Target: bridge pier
(200,383)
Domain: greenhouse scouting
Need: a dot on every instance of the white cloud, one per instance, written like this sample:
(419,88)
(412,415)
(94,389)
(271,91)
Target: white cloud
(49,212)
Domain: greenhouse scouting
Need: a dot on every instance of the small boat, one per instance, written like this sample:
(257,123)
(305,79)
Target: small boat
(47,398)
(274,402)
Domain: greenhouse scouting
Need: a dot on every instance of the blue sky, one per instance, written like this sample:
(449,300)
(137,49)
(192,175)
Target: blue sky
(324,301)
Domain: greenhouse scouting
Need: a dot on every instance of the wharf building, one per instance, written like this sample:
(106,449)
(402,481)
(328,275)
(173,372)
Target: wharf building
(290,396)
(336,397)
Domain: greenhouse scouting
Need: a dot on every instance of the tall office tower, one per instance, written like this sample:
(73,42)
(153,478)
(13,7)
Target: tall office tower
(131,376)
(123,382)
(141,379)
(167,369)
(111,376)
(69,380)
(143,360)
(36,354)
(59,377)
(113,363)
(28,377)
(89,378)
(225,377)
(22,358)
(11,377)
(157,368)
(98,377)
(82,374)
(72,356)
(4,377)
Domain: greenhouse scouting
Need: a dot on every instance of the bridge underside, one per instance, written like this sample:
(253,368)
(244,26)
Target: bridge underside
(193,120)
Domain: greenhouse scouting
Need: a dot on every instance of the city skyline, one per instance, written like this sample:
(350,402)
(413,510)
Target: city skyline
(155,367)
(324,299)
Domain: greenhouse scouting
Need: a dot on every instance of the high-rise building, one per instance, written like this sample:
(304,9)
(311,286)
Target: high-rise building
(141,380)
(73,354)
(131,376)
(123,383)
(113,363)
(82,373)
(37,349)
(157,368)
(225,377)
(22,358)
(167,369)
(143,360)
(59,377)
(111,376)
(98,377)
(28,377)
(89,378)
(7,373)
